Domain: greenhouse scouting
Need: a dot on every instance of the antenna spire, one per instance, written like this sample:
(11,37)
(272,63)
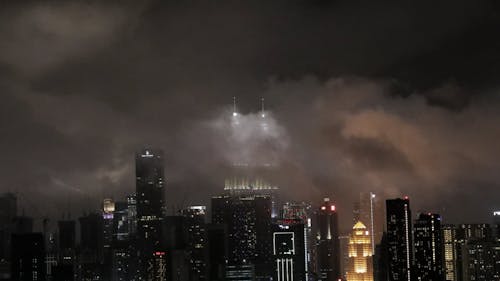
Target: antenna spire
(262,107)
(234,107)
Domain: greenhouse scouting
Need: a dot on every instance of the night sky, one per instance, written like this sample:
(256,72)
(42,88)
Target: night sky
(396,97)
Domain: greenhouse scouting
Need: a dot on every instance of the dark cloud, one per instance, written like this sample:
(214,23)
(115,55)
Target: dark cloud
(397,97)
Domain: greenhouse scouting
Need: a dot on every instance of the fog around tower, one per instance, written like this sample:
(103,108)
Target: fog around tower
(359,97)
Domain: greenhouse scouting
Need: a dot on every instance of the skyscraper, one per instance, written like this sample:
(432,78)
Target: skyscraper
(370,211)
(249,234)
(428,248)
(304,212)
(196,240)
(150,207)
(8,210)
(450,252)
(399,239)
(327,243)
(67,241)
(360,254)
(28,257)
(289,250)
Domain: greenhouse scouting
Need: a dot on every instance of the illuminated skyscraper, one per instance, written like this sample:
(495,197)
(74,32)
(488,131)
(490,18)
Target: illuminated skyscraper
(399,239)
(196,240)
(360,254)
(289,250)
(327,242)
(303,212)
(108,209)
(150,207)
(249,235)
(428,241)
(450,252)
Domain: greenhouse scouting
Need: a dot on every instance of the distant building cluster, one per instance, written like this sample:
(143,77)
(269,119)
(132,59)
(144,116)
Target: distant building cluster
(246,235)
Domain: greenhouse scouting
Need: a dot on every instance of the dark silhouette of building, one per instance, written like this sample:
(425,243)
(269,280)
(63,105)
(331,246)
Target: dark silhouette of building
(427,237)
(28,257)
(328,244)
(150,208)
(8,210)
(380,260)
(399,239)
(22,224)
(217,250)
(91,256)
(289,250)
(66,243)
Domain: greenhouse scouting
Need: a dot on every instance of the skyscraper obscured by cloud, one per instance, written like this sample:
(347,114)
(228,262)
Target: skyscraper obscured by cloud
(370,211)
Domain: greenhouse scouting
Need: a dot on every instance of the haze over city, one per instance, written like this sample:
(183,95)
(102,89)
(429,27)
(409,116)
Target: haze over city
(399,98)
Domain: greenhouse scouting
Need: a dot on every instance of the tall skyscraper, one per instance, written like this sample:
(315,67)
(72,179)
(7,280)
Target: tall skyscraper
(67,241)
(399,239)
(481,260)
(132,214)
(428,248)
(28,257)
(370,211)
(91,247)
(8,210)
(360,254)
(327,243)
(249,234)
(450,252)
(304,212)
(289,250)
(196,240)
(150,207)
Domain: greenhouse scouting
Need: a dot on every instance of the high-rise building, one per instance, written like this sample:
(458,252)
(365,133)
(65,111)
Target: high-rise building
(399,239)
(132,215)
(370,211)
(450,252)
(217,250)
(196,241)
(22,224)
(249,232)
(289,250)
(481,260)
(28,257)
(304,212)
(66,241)
(150,208)
(91,256)
(360,254)
(456,239)
(327,242)
(427,237)
(120,222)
(8,210)
(380,260)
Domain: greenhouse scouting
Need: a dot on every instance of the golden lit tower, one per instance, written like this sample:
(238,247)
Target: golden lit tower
(360,254)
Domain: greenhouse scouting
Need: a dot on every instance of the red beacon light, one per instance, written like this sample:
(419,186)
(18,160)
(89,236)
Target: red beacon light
(406,197)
